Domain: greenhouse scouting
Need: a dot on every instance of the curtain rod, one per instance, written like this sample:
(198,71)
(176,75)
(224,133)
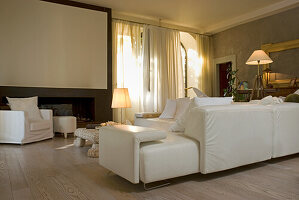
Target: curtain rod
(158,26)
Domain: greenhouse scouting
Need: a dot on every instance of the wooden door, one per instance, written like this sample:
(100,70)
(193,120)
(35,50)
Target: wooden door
(223,81)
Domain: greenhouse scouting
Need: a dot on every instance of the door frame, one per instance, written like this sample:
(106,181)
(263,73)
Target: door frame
(216,62)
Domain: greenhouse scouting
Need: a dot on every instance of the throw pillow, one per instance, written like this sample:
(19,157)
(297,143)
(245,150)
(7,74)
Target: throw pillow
(28,105)
(199,93)
(169,110)
(292,98)
(179,125)
(297,92)
(182,105)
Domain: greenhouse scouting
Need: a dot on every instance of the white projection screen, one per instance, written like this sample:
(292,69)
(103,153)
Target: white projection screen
(45,44)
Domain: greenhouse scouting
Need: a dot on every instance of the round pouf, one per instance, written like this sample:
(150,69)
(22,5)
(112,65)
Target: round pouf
(64,124)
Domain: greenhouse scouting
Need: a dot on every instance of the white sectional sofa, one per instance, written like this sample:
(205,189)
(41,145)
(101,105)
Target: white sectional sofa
(286,129)
(216,138)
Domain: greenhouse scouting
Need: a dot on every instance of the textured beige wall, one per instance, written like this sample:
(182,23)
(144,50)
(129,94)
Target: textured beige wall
(51,45)
(244,39)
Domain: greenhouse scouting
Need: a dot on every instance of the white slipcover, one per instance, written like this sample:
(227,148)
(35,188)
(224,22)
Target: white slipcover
(15,127)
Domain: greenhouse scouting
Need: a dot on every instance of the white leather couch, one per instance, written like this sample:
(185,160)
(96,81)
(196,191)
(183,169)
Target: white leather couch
(15,127)
(286,129)
(216,138)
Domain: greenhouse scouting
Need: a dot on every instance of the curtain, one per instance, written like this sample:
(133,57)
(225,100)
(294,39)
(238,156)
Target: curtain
(127,65)
(207,77)
(163,70)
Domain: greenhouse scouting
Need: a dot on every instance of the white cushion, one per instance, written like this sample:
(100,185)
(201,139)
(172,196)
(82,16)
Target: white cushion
(297,92)
(199,93)
(174,156)
(269,100)
(169,110)
(28,105)
(179,125)
(36,125)
(182,105)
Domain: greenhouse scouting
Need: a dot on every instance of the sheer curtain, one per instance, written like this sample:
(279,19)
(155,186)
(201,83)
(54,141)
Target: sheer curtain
(127,65)
(163,70)
(206,80)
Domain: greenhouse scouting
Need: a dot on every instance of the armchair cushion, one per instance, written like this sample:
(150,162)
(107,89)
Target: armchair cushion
(28,105)
(36,125)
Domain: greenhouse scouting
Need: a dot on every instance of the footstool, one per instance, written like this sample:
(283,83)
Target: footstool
(64,124)
(91,135)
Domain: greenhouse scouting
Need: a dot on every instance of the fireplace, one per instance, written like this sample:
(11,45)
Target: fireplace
(88,105)
(82,108)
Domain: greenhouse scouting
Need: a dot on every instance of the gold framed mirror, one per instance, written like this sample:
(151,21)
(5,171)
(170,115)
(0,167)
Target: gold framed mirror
(277,47)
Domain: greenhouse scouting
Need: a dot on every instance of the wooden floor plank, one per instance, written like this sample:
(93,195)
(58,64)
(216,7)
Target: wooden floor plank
(5,184)
(19,185)
(55,169)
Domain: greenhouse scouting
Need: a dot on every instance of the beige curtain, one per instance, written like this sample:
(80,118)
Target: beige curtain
(163,71)
(207,77)
(127,65)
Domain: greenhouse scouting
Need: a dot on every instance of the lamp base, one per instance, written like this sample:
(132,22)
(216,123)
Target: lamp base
(258,88)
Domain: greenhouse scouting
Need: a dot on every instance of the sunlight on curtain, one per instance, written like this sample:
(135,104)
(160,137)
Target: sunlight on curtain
(206,74)
(127,65)
(163,71)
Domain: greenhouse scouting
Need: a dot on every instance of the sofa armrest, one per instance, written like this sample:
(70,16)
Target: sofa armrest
(12,126)
(119,147)
(147,115)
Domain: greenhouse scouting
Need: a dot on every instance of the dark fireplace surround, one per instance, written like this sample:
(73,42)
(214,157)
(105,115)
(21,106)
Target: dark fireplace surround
(87,105)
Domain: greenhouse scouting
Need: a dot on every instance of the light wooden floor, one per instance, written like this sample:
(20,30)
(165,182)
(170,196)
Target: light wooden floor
(54,169)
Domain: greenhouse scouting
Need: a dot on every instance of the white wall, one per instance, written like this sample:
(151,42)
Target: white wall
(51,45)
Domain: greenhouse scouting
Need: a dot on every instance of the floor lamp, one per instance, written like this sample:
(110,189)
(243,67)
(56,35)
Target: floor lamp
(121,99)
(258,57)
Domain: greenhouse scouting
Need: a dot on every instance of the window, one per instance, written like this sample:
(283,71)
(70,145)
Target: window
(184,63)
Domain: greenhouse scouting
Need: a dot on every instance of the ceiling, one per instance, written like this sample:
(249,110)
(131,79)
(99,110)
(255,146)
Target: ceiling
(205,16)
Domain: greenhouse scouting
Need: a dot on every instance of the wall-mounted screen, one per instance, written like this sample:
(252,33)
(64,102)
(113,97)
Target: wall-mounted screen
(51,45)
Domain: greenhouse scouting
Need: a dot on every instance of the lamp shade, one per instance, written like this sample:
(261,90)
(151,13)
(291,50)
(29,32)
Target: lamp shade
(258,57)
(121,98)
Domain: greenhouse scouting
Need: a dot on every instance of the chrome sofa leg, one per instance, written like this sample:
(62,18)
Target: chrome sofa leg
(155,186)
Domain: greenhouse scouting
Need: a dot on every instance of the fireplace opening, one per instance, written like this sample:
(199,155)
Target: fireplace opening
(82,108)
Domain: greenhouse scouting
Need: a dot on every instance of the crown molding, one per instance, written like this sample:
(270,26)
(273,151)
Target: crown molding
(155,21)
(251,16)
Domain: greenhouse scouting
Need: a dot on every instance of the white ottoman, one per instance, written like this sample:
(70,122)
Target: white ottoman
(64,124)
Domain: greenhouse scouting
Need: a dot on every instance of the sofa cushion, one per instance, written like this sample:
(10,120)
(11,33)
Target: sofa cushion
(182,104)
(36,125)
(169,110)
(174,156)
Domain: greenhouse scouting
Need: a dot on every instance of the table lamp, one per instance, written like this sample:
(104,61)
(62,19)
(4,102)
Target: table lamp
(121,99)
(258,57)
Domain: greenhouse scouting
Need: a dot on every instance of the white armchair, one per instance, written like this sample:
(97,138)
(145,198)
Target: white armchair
(15,127)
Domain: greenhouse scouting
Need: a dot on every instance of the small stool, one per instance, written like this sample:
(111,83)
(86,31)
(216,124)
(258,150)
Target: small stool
(91,135)
(65,124)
